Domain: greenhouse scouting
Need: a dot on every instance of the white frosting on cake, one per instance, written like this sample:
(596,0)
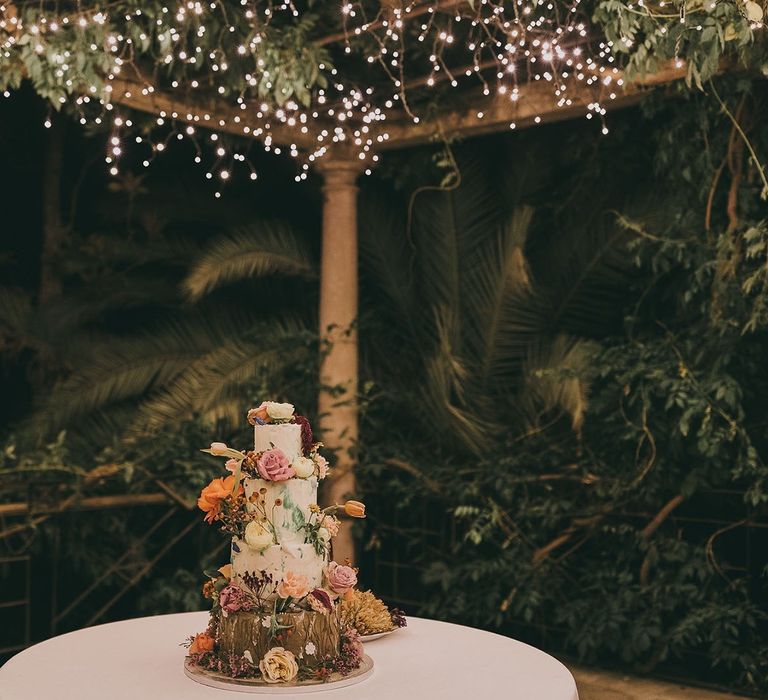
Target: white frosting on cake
(302,560)
(295,496)
(283,436)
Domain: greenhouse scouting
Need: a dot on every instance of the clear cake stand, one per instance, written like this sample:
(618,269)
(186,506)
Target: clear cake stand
(250,685)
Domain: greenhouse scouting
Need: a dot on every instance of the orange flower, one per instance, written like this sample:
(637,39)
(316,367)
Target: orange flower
(260,413)
(212,496)
(201,643)
(354,509)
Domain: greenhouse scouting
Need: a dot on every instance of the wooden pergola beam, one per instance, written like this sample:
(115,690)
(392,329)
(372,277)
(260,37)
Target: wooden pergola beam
(208,114)
(535,105)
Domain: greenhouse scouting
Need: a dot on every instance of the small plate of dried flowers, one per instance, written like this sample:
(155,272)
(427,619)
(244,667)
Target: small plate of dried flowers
(370,616)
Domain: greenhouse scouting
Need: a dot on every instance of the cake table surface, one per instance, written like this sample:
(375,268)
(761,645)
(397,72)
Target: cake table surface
(141,658)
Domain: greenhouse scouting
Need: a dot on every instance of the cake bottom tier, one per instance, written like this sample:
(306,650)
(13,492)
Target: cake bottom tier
(311,636)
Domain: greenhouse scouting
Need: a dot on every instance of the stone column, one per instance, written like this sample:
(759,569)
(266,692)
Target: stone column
(337,405)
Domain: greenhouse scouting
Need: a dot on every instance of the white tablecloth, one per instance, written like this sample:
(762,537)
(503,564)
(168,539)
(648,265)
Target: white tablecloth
(141,660)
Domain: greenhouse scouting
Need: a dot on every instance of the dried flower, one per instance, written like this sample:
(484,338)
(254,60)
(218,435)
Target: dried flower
(209,589)
(278,666)
(365,612)
(233,599)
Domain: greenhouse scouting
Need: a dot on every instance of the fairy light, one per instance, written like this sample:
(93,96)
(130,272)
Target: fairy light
(505,45)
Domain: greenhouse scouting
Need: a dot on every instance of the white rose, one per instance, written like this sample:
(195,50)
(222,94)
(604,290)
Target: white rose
(304,467)
(257,536)
(279,411)
(323,535)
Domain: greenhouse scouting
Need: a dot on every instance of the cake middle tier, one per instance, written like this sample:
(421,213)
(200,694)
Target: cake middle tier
(285,504)
(265,569)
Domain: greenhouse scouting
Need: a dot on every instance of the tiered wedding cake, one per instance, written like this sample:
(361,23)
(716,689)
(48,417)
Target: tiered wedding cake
(275,615)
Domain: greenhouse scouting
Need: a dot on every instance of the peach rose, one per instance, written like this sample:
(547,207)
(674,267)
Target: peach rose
(331,524)
(293,586)
(212,496)
(260,413)
(322,466)
(201,643)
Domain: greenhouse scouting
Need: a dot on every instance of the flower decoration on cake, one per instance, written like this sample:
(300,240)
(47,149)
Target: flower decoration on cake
(320,601)
(211,497)
(278,665)
(233,599)
(280,594)
(293,586)
(273,465)
(258,535)
(340,578)
(202,643)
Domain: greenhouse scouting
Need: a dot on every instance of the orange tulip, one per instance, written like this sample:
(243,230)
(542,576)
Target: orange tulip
(354,509)
(201,643)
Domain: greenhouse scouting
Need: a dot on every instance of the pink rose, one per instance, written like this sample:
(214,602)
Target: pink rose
(340,578)
(273,465)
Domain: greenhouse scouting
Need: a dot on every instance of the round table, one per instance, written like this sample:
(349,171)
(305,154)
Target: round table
(141,659)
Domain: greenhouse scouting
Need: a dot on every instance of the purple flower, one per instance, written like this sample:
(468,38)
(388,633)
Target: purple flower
(232,599)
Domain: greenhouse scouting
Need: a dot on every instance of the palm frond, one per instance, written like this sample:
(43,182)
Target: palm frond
(498,273)
(120,369)
(208,386)
(449,226)
(444,389)
(269,248)
(554,379)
